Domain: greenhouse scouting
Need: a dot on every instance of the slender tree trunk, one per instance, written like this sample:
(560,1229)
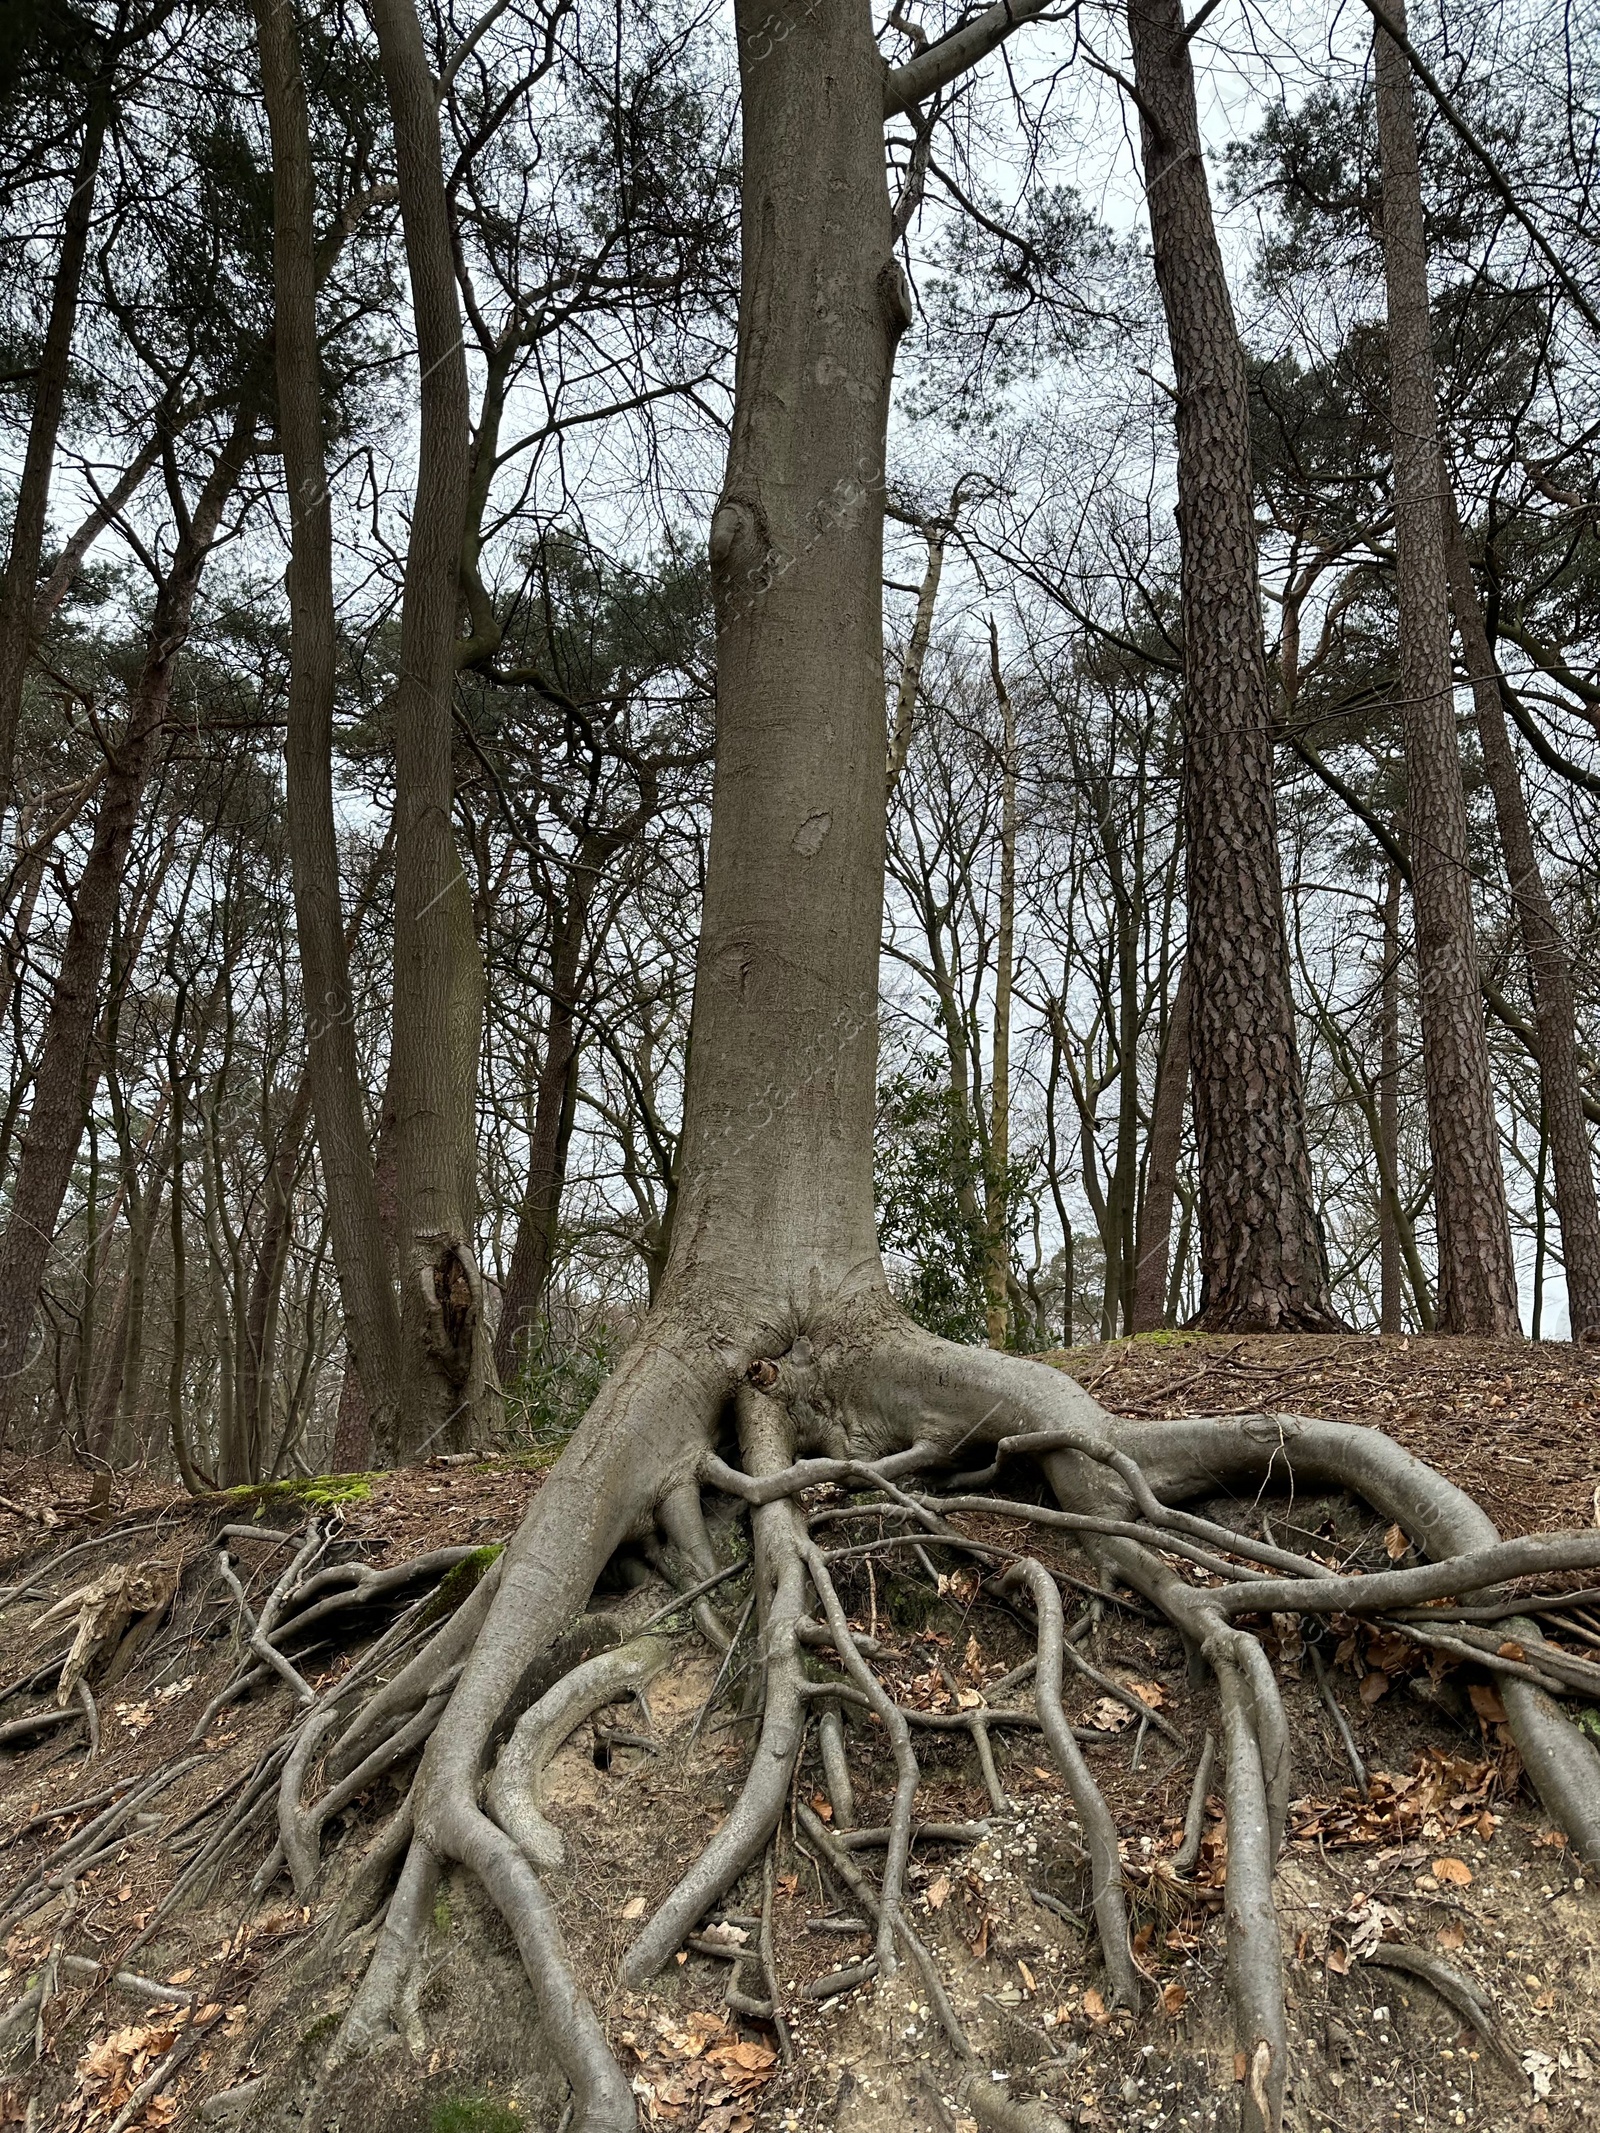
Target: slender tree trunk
(1555,1006)
(20,583)
(438,970)
(65,1083)
(524,1300)
(371,1313)
(1161,1170)
(1389,1307)
(1477,1289)
(1263,1260)
(910,682)
(259,1346)
(997,1197)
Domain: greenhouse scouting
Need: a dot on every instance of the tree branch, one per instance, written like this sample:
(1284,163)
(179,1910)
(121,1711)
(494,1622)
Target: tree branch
(942,63)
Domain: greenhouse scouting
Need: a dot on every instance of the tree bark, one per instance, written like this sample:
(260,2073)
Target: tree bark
(1477,1286)
(775,1213)
(64,1085)
(344,1142)
(525,1300)
(1555,1006)
(1389,1303)
(1263,1259)
(438,970)
(997,1197)
(1161,1169)
(20,583)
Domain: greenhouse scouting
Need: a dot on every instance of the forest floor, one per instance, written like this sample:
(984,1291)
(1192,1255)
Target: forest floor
(1447,1855)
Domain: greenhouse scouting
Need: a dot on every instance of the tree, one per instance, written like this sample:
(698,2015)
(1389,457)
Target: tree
(774,1314)
(1263,1261)
(1477,1276)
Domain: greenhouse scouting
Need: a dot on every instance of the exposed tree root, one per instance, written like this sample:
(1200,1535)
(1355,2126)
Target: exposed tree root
(890,1417)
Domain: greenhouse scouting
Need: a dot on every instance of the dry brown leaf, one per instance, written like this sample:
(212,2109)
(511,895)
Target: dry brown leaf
(938,1891)
(1486,1702)
(821,1807)
(1395,1543)
(1149,1692)
(1454,1873)
(1338,1959)
(1109,1716)
(1451,1935)
(1027,1975)
(1174,1998)
(1094,2006)
(1374,1685)
(1511,1649)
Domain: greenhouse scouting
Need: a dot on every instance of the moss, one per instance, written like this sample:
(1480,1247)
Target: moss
(321,1492)
(441,1912)
(475,2114)
(322,2027)
(457,1582)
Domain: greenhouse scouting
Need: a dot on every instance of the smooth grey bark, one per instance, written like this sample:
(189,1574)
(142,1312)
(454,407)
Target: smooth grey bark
(1262,1255)
(371,1313)
(1477,1286)
(438,969)
(1555,1005)
(1161,1169)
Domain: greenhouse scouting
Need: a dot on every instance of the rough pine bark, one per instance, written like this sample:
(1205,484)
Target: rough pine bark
(1555,1006)
(438,968)
(1477,1288)
(1262,1256)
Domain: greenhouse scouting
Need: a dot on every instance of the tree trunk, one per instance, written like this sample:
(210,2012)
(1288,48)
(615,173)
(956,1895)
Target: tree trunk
(997,1196)
(371,1314)
(1555,1007)
(1161,1170)
(64,1085)
(1389,1305)
(1477,1287)
(524,1301)
(438,970)
(775,1212)
(1263,1260)
(910,682)
(21,580)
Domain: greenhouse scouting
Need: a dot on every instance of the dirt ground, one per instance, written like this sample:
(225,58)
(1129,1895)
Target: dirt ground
(1447,1854)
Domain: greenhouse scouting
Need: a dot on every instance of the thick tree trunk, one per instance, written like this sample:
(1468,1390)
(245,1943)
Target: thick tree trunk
(438,970)
(1477,1288)
(64,1085)
(1555,1007)
(1161,1170)
(371,1314)
(775,1212)
(1263,1260)
(20,583)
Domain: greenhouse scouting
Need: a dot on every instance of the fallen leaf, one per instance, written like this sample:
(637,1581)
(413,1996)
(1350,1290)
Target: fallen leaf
(1338,1962)
(937,1893)
(633,1908)
(1149,1692)
(1109,1716)
(1027,1975)
(1451,1935)
(821,1807)
(1174,1998)
(1373,1686)
(1094,2006)
(1511,1649)
(1455,1873)
(1395,1543)
(1486,1702)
